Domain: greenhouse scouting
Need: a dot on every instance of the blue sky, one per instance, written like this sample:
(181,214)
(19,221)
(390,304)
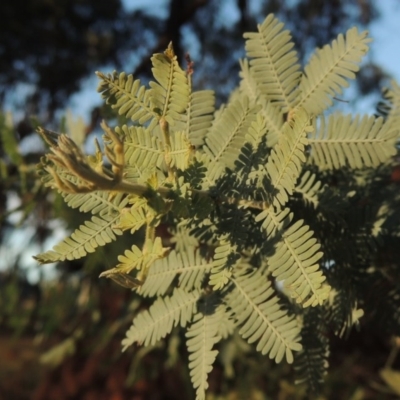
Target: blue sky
(385,49)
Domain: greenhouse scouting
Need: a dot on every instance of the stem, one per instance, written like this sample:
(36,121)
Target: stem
(167,148)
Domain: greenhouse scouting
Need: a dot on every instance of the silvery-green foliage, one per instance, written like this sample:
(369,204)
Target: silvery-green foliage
(234,188)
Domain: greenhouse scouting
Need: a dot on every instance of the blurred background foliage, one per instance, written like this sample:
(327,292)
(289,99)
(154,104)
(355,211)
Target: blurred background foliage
(60,329)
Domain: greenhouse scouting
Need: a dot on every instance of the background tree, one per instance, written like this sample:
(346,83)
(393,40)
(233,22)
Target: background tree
(46,53)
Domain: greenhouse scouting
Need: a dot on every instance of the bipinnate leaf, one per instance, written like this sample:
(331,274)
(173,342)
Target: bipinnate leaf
(274,222)
(136,258)
(270,111)
(126,95)
(311,363)
(225,258)
(274,63)
(85,239)
(329,70)
(96,202)
(199,116)
(225,190)
(181,152)
(143,150)
(133,218)
(309,187)
(170,95)
(296,263)
(189,265)
(201,336)
(261,318)
(359,142)
(287,157)
(234,121)
(151,325)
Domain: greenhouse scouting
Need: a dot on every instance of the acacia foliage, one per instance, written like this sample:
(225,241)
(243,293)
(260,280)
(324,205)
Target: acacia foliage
(257,235)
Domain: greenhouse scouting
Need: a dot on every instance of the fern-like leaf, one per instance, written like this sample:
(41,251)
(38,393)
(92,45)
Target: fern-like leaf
(309,188)
(135,217)
(311,364)
(287,157)
(181,151)
(274,63)
(269,110)
(358,143)
(170,96)
(85,239)
(143,151)
(199,116)
(274,222)
(190,267)
(136,258)
(261,318)
(97,202)
(165,313)
(201,337)
(330,68)
(225,258)
(182,239)
(248,85)
(126,95)
(343,312)
(296,262)
(234,121)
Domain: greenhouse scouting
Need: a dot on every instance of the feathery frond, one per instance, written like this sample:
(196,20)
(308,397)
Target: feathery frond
(360,142)
(137,258)
(225,190)
(248,85)
(201,336)
(309,188)
(182,239)
(199,116)
(126,95)
(189,265)
(134,218)
(311,364)
(329,69)
(296,263)
(170,96)
(393,96)
(181,151)
(261,318)
(234,121)
(94,233)
(343,312)
(165,313)
(143,151)
(274,65)
(287,157)
(270,111)
(274,221)
(97,202)
(225,257)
